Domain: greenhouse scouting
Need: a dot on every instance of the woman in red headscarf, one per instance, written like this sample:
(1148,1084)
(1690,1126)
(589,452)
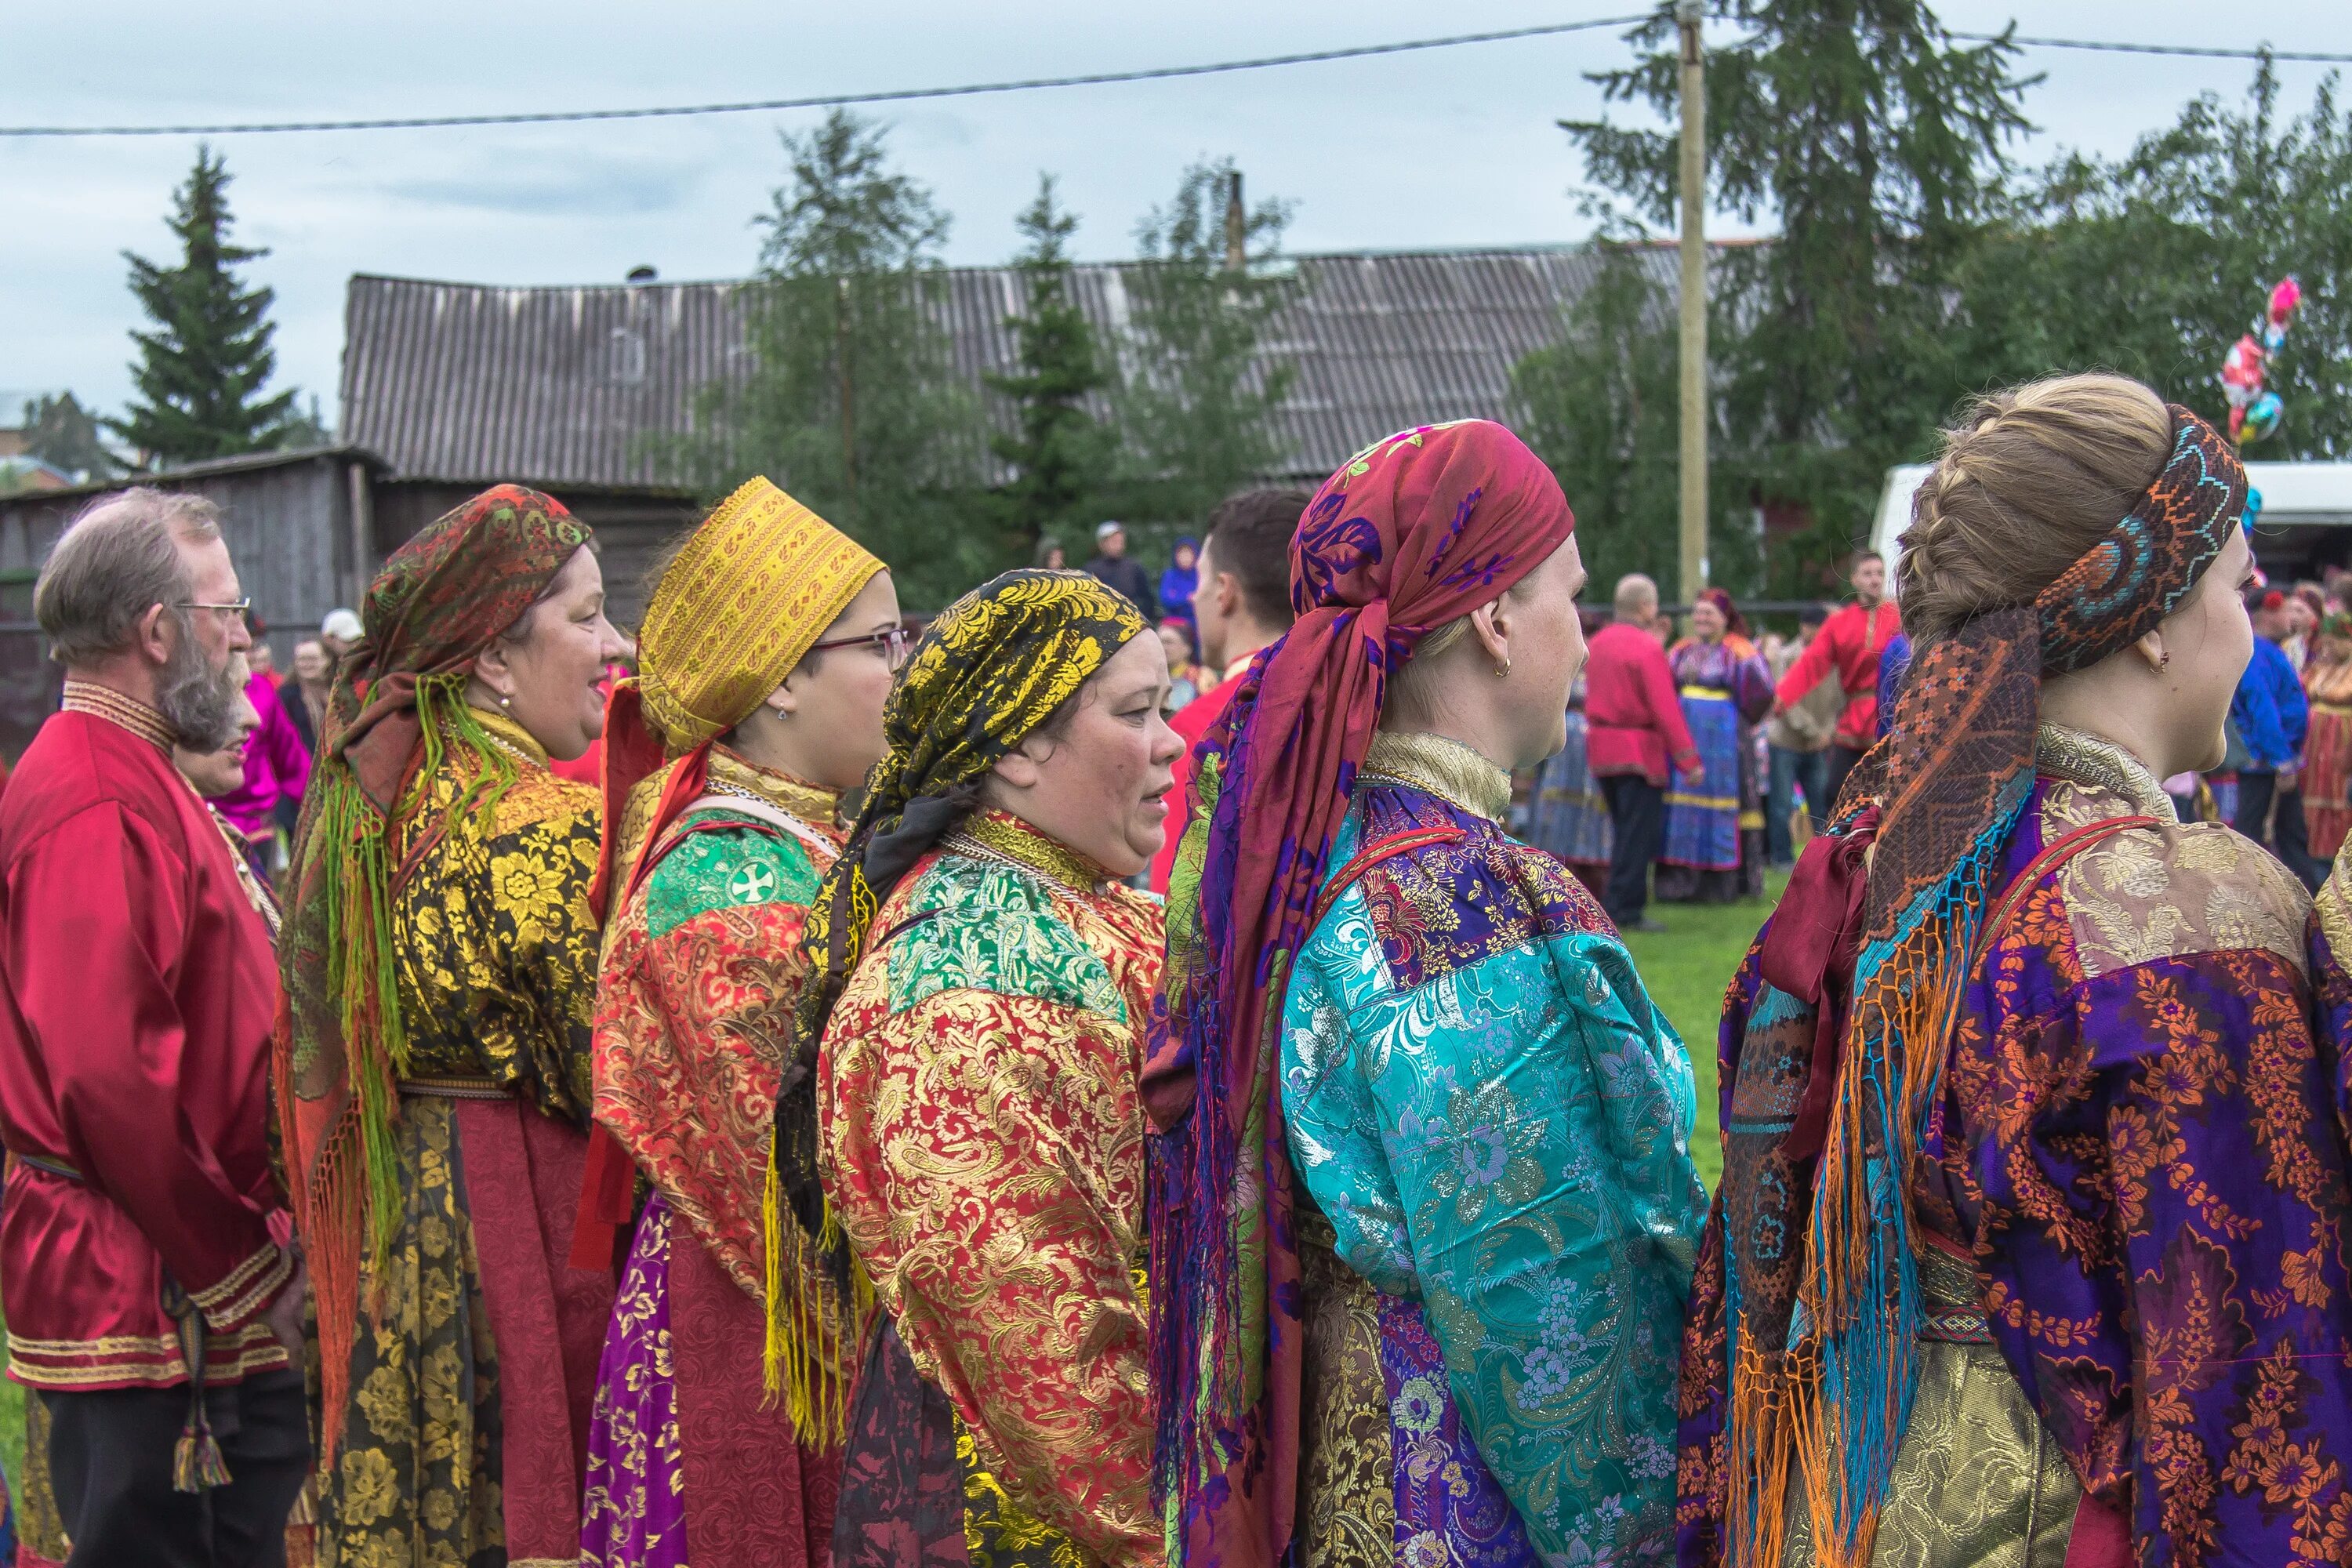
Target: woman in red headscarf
(1461,1345)
(440,975)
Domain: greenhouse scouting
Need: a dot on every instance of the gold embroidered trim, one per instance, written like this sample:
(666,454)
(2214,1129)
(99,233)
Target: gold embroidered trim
(258,1295)
(2088,759)
(264,902)
(212,1297)
(1444,768)
(732,773)
(1001,836)
(126,712)
(138,1357)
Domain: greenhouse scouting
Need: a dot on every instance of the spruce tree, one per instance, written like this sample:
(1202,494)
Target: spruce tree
(200,373)
(1878,143)
(851,401)
(1197,411)
(1060,455)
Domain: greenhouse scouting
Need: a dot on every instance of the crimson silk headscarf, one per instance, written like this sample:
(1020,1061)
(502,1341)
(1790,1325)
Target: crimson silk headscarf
(397,696)
(1410,534)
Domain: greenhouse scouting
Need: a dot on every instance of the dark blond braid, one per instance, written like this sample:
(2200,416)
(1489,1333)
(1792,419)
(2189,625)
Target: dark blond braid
(2030,479)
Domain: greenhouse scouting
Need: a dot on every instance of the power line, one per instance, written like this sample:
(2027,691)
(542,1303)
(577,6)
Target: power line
(435,123)
(2196,50)
(1097,78)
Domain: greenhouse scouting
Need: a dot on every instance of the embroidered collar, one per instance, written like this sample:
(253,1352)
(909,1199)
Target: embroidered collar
(2086,759)
(733,774)
(257,892)
(999,835)
(512,737)
(1447,769)
(125,712)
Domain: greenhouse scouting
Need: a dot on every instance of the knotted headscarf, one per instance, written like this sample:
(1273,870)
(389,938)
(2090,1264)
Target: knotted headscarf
(1410,534)
(1951,779)
(992,669)
(398,699)
(738,608)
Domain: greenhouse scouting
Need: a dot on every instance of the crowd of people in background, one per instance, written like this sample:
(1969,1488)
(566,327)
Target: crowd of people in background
(1777,722)
(1092,1077)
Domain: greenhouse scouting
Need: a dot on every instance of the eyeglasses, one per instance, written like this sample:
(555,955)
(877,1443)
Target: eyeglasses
(891,644)
(240,608)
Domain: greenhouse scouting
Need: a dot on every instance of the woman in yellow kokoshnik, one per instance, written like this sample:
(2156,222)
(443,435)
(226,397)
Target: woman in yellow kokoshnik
(985,986)
(769,646)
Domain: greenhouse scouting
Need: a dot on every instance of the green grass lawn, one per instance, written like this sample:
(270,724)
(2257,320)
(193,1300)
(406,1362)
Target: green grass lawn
(12,1419)
(1687,966)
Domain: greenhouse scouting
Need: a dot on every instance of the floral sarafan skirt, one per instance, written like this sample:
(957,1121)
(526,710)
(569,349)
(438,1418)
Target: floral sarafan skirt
(466,1410)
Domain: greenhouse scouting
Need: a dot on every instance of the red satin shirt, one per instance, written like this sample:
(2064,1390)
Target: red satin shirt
(138,990)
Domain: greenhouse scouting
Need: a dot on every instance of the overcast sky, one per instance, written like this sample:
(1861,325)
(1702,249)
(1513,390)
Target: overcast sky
(1452,147)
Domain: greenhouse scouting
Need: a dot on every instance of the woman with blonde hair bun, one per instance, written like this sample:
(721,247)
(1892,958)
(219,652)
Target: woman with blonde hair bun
(2028,1245)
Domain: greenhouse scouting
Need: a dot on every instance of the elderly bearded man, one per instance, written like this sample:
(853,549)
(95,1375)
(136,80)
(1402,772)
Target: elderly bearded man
(149,1300)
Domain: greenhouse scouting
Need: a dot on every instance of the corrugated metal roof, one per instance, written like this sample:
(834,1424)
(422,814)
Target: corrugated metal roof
(579,386)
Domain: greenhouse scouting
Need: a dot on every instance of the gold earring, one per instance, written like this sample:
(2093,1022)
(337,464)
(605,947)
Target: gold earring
(1503,668)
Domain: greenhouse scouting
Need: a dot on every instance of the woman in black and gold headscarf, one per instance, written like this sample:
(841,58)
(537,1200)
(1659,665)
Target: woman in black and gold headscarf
(985,984)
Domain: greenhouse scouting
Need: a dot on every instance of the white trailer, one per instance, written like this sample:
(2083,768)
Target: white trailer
(2305,521)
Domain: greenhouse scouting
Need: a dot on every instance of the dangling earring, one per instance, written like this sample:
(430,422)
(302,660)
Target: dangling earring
(506,701)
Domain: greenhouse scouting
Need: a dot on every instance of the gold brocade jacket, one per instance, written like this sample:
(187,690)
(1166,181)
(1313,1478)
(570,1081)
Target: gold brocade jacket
(495,945)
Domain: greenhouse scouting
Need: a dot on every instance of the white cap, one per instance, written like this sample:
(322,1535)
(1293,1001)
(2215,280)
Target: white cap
(1104,531)
(344,624)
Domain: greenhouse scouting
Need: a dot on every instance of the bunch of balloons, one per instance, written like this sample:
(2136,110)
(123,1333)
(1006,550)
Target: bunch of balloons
(2254,410)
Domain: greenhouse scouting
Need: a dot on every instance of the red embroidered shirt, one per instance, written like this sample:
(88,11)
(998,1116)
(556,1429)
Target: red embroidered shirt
(141,990)
(1849,642)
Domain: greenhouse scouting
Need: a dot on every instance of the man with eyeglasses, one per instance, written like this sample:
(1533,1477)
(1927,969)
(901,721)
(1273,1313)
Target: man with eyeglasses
(151,1304)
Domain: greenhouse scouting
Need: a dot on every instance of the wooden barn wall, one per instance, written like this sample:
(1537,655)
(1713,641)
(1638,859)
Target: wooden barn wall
(631,528)
(288,530)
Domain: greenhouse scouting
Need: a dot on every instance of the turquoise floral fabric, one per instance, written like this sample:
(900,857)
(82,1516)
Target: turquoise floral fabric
(1483,1100)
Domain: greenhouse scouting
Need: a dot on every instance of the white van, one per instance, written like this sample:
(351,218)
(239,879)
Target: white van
(2306,521)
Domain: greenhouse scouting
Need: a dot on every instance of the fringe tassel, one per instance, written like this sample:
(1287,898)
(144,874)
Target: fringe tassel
(812,1331)
(352,1206)
(196,1462)
(1854,1361)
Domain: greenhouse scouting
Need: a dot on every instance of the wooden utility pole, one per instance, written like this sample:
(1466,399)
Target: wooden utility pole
(1236,225)
(1687,14)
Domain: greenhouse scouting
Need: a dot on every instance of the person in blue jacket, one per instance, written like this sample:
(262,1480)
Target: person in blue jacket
(2270,714)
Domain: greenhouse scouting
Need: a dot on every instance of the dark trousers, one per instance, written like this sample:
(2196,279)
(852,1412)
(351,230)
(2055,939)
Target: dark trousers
(1840,763)
(1637,815)
(1790,769)
(2273,817)
(111,1463)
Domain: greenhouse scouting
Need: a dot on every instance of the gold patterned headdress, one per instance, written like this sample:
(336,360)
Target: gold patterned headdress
(753,587)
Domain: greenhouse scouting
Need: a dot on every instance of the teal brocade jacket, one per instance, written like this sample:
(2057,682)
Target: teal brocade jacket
(1494,1120)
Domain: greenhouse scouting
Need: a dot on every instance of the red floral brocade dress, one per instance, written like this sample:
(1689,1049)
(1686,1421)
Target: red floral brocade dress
(983,1136)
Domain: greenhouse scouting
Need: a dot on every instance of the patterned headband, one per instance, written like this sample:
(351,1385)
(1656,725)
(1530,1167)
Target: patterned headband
(2149,563)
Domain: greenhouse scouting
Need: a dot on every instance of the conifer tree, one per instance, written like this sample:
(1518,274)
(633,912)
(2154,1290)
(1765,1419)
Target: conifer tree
(850,401)
(1060,455)
(1197,408)
(201,371)
(1877,143)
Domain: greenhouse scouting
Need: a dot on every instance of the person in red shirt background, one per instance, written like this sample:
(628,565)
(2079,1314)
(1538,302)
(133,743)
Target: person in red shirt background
(1634,728)
(1849,642)
(1240,604)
